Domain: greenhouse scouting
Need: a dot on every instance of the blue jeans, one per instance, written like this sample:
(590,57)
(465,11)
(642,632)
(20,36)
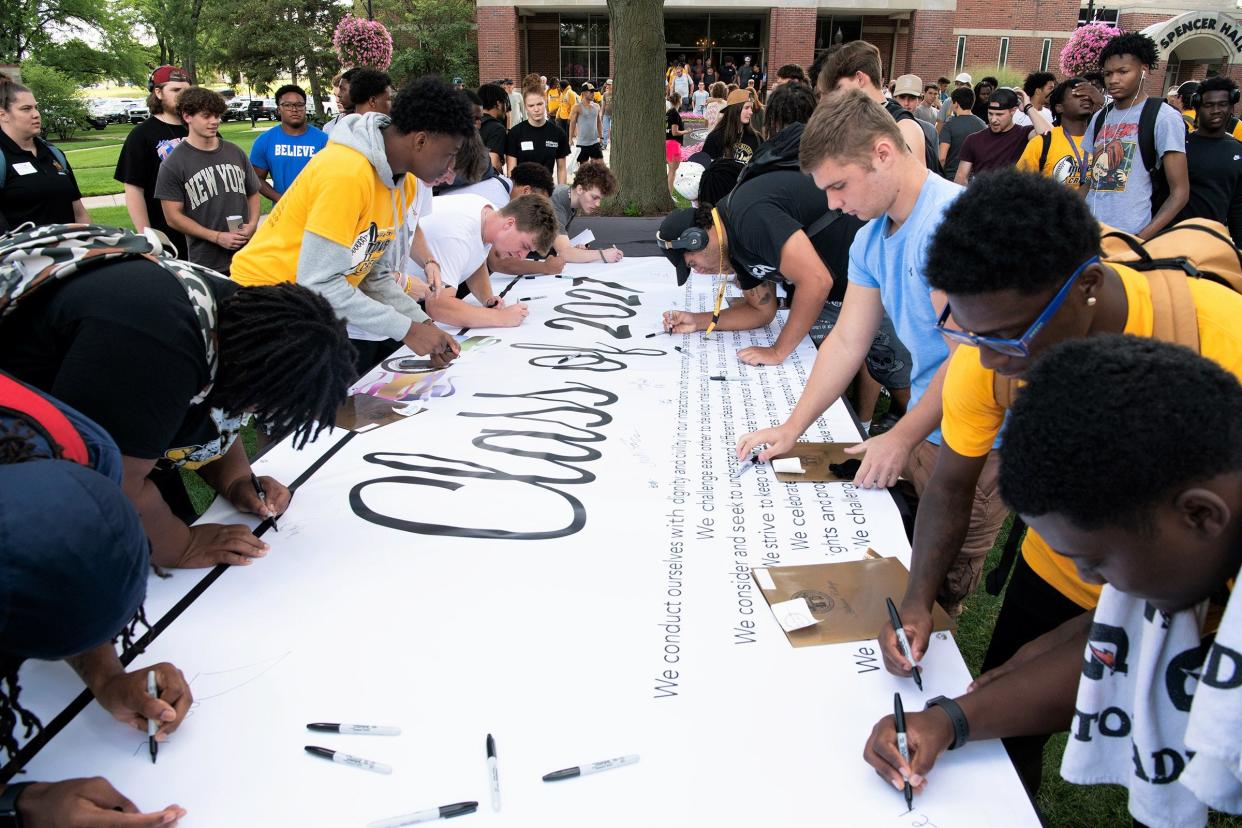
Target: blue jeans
(607,131)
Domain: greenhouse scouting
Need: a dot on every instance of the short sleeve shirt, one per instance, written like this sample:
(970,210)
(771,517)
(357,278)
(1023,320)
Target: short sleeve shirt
(542,145)
(37,187)
(563,208)
(765,211)
(145,148)
(987,150)
(1066,157)
(493,133)
(1121,187)
(284,155)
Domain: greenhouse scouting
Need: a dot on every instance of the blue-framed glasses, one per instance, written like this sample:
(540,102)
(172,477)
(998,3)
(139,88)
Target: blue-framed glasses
(1020,347)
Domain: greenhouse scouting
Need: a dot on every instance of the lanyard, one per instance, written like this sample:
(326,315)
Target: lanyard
(1079,158)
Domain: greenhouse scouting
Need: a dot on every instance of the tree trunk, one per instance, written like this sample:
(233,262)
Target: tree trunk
(637,139)
(312,64)
(191,51)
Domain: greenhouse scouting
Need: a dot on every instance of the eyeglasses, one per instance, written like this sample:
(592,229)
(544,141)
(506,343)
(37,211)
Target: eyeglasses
(1020,347)
(293,106)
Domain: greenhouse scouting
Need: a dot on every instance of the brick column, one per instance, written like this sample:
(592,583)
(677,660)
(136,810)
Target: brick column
(932,45)
(791,39)
(500,54)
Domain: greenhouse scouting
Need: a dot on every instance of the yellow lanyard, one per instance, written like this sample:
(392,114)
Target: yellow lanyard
(724,280)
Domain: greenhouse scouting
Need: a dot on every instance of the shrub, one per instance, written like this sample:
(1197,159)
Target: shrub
(62,110)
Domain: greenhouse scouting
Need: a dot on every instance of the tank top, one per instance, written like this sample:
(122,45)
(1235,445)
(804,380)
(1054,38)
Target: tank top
(588,125)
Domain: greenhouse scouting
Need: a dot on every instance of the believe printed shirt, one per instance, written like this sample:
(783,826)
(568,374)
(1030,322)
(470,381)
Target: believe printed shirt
(1120,193)
(284,155)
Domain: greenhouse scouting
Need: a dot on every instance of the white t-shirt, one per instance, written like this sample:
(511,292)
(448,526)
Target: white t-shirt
(1022,119)
(496,190)
(454,232)
(418,211)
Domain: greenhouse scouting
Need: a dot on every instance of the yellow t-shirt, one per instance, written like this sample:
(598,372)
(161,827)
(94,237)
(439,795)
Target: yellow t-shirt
(972,418)
(1189,116)
(554,101)
(1237,130)
(569,99)
(1065,157)
(337,196)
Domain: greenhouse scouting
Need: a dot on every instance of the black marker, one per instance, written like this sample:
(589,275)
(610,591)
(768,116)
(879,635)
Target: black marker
(531,298)
(903,642)
(153,725)
(429,815)
(346,759)
(900,715)
(679,349)
(354,729)
(657,333)
(728,379)
(594,767)
(258,489)
(414,364)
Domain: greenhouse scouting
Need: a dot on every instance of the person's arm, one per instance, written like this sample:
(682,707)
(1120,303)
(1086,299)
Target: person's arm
(230,477)
(943,153)
(420,252)
(573,123)
(550,266)
(265,187)
(802,267)
(136,206)
(1035,699)
(963,172)
(498,160)
(1038,121)
(90,803)
(1178,176)
(1234,217)
(560,170)
(80,216)
(253,210)
(837,362)
(915,139)
(510,162)
(174,213)
(758,310)
(124,695)
(570,254)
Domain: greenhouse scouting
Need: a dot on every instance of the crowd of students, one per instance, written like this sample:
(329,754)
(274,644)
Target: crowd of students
(1048,370)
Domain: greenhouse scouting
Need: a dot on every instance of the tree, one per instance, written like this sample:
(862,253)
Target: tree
(62,109)
(29,26)
(431,37)
(638,114)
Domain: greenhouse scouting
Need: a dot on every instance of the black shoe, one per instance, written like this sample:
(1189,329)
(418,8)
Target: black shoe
(884,424)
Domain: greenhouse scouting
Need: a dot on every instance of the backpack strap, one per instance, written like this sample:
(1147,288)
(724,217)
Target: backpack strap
(822,223)
(1004,390)
(1043,153)
(1174,318)
(1147,133)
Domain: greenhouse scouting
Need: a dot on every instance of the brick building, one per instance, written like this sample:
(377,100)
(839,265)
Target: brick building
(571,39)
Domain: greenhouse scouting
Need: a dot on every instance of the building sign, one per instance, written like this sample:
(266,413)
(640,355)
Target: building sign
(1221,27)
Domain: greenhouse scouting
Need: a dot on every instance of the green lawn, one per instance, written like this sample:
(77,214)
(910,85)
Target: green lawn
(119,217)
(93,154)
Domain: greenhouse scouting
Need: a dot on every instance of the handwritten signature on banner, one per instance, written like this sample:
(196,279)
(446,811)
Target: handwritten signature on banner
(398,384)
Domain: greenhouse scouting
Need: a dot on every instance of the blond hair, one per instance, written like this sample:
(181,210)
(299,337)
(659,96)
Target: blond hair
(845,127)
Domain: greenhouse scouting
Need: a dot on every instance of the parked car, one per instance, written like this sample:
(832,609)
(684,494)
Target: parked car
(111,110)
(237,110)
(137,113)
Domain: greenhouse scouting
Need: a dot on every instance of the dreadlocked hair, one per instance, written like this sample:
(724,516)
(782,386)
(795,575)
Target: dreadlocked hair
(11,712)
(285,357)
(17,445)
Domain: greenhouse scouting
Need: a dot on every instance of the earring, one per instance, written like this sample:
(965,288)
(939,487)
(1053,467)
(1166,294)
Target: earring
(1091,301)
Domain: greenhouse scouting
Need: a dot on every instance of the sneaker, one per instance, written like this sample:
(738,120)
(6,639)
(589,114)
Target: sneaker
(883,424)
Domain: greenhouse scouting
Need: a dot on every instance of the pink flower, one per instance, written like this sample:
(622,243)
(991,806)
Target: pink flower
(1081,52)
(361,42)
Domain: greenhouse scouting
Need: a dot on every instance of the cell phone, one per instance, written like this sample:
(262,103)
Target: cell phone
(234,222)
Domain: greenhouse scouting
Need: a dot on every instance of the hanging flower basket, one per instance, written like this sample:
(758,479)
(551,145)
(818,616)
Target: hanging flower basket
(361,42)
(1081,53)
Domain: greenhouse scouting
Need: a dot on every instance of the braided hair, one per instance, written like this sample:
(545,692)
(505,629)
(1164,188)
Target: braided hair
(285,357)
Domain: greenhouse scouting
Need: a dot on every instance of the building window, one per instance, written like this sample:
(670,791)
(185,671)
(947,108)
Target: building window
(1002,59)
(1101,16)
(835,30)
(584,48)
(1045,54)
(715,36)
(960,61)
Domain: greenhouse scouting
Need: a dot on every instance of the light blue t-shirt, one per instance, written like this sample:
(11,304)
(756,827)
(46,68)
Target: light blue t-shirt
(894,264)
(284,155)
(1120,194)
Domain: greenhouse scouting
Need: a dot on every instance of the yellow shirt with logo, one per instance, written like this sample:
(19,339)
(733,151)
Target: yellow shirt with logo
(554,101)
(569,99)
(1065,157)
(337,196)
(972,418)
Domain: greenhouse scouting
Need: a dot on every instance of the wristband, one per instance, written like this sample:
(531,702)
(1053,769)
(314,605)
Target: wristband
(961,727)
(9,817)
(1026,109)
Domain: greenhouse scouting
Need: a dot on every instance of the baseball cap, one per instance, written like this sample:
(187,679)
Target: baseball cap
(964,78)
(737,96)
(674,224)
(168,74)
(587,87)
(909,85)
(1003,99)
(686,182)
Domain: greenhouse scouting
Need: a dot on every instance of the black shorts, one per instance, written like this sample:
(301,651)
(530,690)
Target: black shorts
(590,151)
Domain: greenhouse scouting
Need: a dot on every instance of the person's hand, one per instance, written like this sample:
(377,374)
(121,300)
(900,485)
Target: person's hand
(426,339)
(760,356)
(928,734)
(247,230)
(494,302)
(244,498)
(779,440)
(412,286)
(217,543)
(1086,89)
(230,241)
(613,254)
(435,282)
(124,695)
(677,322)
(513,315)
(917,622)
(86,803)
(884,458)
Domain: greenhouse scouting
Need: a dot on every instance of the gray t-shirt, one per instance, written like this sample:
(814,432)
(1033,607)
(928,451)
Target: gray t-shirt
(587,128)
(954,133)
(211,186)
(564,212)
(1120,193)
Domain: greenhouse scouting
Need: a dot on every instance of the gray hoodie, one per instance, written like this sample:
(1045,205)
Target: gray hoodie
(378,305)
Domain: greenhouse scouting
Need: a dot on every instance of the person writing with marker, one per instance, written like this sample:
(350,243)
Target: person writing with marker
(1144,497)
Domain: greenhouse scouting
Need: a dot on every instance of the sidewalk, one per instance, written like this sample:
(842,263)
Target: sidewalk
(115,200)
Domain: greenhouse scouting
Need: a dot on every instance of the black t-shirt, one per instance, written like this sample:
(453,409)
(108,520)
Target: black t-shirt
(727,73)
(146,147)
(543,144)
(493,133)
(766,210)
(120,343)
(1215,169)
(671,117)
(743,150)
(36,187)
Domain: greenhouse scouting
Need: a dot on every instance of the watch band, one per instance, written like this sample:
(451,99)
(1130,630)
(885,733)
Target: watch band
(961,727)
(9,817)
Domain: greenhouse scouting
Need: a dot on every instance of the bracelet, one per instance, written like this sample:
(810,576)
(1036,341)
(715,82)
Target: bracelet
(9,815)
(602,257)
(961,727)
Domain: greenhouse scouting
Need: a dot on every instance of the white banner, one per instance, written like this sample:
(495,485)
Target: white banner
(553,552)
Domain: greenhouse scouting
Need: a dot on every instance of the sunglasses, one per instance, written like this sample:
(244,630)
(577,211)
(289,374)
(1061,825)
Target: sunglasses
(1020,347)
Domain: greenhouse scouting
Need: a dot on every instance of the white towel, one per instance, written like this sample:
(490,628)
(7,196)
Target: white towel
(1140,698)
(1215,729)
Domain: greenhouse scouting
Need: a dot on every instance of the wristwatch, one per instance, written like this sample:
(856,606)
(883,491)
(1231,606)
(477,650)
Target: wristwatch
(961,727)
(9,817)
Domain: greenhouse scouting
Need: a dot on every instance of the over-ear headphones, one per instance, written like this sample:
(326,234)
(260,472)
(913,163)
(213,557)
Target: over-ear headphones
(151,82)
(692,239)
(1196,100)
